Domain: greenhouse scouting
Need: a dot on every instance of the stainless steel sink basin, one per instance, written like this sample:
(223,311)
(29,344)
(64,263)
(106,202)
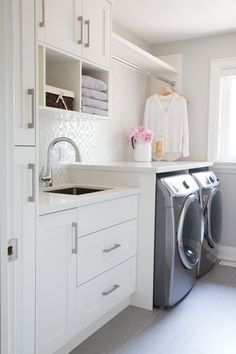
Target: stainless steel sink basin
(74,190)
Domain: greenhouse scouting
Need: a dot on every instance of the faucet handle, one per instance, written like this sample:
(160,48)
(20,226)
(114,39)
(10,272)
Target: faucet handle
(44,177)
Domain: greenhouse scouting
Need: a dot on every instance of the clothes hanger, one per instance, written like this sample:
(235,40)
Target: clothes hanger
(168,90)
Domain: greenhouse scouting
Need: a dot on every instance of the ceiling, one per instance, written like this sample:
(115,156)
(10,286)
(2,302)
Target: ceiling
(161,21)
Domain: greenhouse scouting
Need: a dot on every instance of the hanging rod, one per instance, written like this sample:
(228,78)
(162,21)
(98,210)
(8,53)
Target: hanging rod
(158,77)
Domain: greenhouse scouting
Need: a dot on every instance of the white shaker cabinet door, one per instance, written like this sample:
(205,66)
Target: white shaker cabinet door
(56,280)
(97,32)
(22,269)
(61,24)
(24,71)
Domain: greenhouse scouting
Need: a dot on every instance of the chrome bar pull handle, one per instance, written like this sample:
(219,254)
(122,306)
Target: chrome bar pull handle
(80,19)
(42,23)
(108,292)
(31,92)
(75,249)
(87,23)
(31,198)
(107,250)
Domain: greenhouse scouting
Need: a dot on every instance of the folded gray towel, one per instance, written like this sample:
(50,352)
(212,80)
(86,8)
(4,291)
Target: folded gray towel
(97,95)
(92,83)
(86,101)
(92,110)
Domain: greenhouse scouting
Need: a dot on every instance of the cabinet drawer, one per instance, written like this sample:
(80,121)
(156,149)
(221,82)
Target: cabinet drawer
(101,294)
(100,251)
(98,216)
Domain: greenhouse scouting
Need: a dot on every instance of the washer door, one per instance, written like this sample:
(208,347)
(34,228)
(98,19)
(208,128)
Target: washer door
(190,232)
(213,216)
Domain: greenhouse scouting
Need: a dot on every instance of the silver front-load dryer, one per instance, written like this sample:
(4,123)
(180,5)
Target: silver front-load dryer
(178,238)
(212,208)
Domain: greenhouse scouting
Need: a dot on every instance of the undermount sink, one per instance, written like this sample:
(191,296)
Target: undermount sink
(74,190)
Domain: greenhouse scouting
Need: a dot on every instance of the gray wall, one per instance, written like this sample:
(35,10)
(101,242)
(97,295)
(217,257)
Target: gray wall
(197,54)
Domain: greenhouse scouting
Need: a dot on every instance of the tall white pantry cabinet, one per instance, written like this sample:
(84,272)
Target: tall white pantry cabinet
(21,184)
(21,23)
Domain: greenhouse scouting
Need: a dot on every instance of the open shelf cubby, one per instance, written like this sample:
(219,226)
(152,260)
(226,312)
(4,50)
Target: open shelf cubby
(65,72)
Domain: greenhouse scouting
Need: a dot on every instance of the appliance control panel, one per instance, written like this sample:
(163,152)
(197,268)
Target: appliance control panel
(206,179)
(180,185)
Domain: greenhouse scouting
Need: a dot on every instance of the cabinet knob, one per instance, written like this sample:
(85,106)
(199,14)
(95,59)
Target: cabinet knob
(75,249)
(87,23)
(31,198)
(108,292)
(42,23)
(31,125)
(107,250)
(80,19)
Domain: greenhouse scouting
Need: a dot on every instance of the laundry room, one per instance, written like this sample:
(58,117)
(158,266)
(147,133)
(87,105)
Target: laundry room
(117,179)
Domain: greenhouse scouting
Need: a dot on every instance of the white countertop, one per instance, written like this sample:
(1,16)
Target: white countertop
(54,202)
(144,167)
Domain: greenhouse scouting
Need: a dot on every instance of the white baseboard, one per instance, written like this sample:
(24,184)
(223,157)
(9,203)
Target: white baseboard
(227,253)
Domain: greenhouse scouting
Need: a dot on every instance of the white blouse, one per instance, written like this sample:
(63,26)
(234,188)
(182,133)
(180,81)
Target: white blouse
(167,116)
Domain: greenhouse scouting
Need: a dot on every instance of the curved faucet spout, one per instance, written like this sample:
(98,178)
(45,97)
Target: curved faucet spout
(48,176)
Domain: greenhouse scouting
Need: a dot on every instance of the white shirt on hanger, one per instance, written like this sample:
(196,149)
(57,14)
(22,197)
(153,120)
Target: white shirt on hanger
(167,116)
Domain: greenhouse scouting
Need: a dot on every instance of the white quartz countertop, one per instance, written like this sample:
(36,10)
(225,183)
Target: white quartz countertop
(143,167)
(54,202)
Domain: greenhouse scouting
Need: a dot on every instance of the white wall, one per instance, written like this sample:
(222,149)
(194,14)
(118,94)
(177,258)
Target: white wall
(197,54)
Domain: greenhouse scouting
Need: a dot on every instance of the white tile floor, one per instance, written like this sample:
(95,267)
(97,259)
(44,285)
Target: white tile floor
(204,323)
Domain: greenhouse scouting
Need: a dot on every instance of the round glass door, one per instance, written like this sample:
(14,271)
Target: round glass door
(190,232)
(214,217)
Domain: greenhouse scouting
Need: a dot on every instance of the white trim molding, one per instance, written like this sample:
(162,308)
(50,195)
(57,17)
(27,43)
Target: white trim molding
(225,167)
(227,253)
(217,66)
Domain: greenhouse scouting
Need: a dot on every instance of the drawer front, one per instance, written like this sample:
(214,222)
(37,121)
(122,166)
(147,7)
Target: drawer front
(102,250)
(101,294)
(98,216)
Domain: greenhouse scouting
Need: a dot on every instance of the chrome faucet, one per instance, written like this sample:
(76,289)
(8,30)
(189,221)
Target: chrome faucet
(47,177)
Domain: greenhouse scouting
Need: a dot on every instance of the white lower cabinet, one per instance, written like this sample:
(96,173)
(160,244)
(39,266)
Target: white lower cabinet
(80,279)
(101,294)
(56,280)
(106,214)
(105,249)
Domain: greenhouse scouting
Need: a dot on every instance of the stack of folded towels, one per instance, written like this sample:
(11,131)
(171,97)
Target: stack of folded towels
(94,96)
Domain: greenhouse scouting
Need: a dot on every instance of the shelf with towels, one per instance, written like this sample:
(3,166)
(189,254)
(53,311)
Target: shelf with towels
(133,56)
(65,74)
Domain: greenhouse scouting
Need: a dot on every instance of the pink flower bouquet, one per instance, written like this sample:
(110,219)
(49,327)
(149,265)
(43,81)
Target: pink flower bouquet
(141,134)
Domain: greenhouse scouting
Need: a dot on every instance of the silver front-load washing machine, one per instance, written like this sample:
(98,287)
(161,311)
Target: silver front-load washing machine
(212,208)
(178,238)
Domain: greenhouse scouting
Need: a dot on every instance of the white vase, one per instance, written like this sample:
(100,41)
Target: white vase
(142,151)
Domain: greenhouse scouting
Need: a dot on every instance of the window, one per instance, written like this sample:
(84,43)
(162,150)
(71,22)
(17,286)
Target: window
(227,117)
(222,119)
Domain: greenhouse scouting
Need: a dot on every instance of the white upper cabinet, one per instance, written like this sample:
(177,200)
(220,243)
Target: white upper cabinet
(97,32)
(78,27)
(24,72)
(60,24)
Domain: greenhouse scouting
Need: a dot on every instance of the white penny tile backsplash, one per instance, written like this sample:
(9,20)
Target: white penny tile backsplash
(98,140)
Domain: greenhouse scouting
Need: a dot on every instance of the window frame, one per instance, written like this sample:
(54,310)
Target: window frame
(218,66)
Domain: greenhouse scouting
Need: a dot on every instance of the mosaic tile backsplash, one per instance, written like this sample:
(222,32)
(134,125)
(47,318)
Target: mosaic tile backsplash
(98,140)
